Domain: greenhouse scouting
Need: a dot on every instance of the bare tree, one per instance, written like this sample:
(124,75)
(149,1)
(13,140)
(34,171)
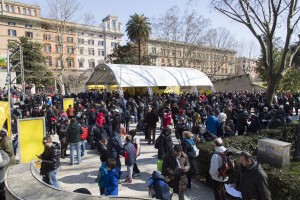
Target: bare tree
(60,14)
(180,36)
(265,20)
(222,44)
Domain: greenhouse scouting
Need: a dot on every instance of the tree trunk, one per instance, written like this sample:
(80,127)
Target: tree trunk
(139,47)
(271,90)
(61,84)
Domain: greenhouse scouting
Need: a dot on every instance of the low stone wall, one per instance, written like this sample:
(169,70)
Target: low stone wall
(22,181)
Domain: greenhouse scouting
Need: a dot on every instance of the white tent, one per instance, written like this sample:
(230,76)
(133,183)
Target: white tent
(146,76)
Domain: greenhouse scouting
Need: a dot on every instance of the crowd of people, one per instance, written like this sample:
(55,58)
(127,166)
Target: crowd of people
(103,119)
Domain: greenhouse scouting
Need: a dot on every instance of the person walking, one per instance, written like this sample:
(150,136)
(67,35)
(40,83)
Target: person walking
(50,161)
(73,138)
(130,157)
(215,163)
(63,128)
(151,119)
(252,180)
(177,161)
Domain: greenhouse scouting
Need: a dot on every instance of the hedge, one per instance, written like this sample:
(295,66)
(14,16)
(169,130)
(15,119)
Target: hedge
(282,185)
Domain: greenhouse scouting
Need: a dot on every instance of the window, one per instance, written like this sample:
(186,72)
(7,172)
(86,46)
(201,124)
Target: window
(91,52)
(180,54)
(81,51)
(100,52)
(49,61)
(11,23)
(100,43)
(34,13)
(91,42)
(81,62)
(173,53)
(12,9)
(113,44)
(19,10)
(12,32)
(153,60)
(113,37)
(163,52)
(7,8)
(47,37)
(162,60)
(47,48)
(58,38)
(153,50)
(70,62)
(91,34)
(28,34)
(70,50)
(113,24)
(80,41)
(28,12)
(0,7)
(100,35)
(58,49)
(91,63)
(28,25)
(70,39)
(24,11)
(58,62)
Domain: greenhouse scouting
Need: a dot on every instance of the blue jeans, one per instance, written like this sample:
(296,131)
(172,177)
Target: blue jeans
(82,147)
(50,178)
(78,151)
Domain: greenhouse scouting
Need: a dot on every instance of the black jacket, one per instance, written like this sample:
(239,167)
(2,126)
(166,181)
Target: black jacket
(164,145)
(116,123)
(50,158)
(253,183)
(151,119)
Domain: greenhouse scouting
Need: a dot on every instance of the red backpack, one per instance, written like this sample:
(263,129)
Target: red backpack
(84,135)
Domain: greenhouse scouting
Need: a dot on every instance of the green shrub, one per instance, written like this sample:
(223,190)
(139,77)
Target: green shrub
(283,185)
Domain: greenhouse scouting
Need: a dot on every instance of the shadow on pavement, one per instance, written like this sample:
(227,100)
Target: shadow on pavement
(84,177)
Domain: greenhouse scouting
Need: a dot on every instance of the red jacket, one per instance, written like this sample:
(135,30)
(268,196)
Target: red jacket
(167,120)
(100,119)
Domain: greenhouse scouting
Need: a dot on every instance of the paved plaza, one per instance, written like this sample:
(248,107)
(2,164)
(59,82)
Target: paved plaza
(84,175)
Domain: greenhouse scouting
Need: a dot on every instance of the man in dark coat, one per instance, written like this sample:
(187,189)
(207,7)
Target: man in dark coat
(116,121)
(115,148)
(50,161)
(73,138)
(151,119)
(178,161)
(164,143)
(252,180)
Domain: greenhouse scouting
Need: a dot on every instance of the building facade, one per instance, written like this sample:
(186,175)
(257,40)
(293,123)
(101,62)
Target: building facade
(78,49)
(216,63)
(246,66)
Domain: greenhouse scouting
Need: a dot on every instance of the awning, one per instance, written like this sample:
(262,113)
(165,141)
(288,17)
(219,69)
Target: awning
(146,76)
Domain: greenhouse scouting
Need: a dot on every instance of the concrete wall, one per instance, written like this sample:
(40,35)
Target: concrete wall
(237,83)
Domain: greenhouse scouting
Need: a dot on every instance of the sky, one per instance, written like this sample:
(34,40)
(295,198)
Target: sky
(154,8)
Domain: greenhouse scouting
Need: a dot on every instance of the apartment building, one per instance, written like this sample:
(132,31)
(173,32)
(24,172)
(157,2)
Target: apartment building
(79,48)
(216,63)
(246,66)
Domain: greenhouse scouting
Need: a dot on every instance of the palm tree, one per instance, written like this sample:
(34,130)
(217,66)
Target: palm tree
(138,30)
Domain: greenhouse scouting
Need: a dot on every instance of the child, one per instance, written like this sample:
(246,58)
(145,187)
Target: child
(103,146)
(102,174)
(130,157)
(161,188)
(113,176)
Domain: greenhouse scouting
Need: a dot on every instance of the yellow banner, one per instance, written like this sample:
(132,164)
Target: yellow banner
(31,134)
(67,102)
(5,116)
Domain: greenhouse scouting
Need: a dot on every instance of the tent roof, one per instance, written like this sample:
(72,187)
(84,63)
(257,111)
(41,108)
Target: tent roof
(145,76)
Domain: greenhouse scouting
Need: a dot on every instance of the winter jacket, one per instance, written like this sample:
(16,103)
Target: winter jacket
(92,117)
(212,124)
(100,119)
(73,133)
(161,188)
(6,145)
(116,123)
(151,119)
(253,183)
(63,128)
(215,163)
(129,154)
(111,181)
(50,159)
(186,148)
(167,120)
(3,165)
(114,147)
(102,176)
(179,182)
(164,144)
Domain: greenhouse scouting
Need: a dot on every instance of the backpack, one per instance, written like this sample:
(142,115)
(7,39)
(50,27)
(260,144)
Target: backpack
(84,135)
(227,164)
(194,151)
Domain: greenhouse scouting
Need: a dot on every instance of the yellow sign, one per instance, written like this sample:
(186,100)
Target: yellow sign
(67,102)
(5,116)
(31,134)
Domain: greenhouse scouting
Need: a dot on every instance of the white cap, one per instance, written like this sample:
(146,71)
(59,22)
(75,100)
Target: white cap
(116,110)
